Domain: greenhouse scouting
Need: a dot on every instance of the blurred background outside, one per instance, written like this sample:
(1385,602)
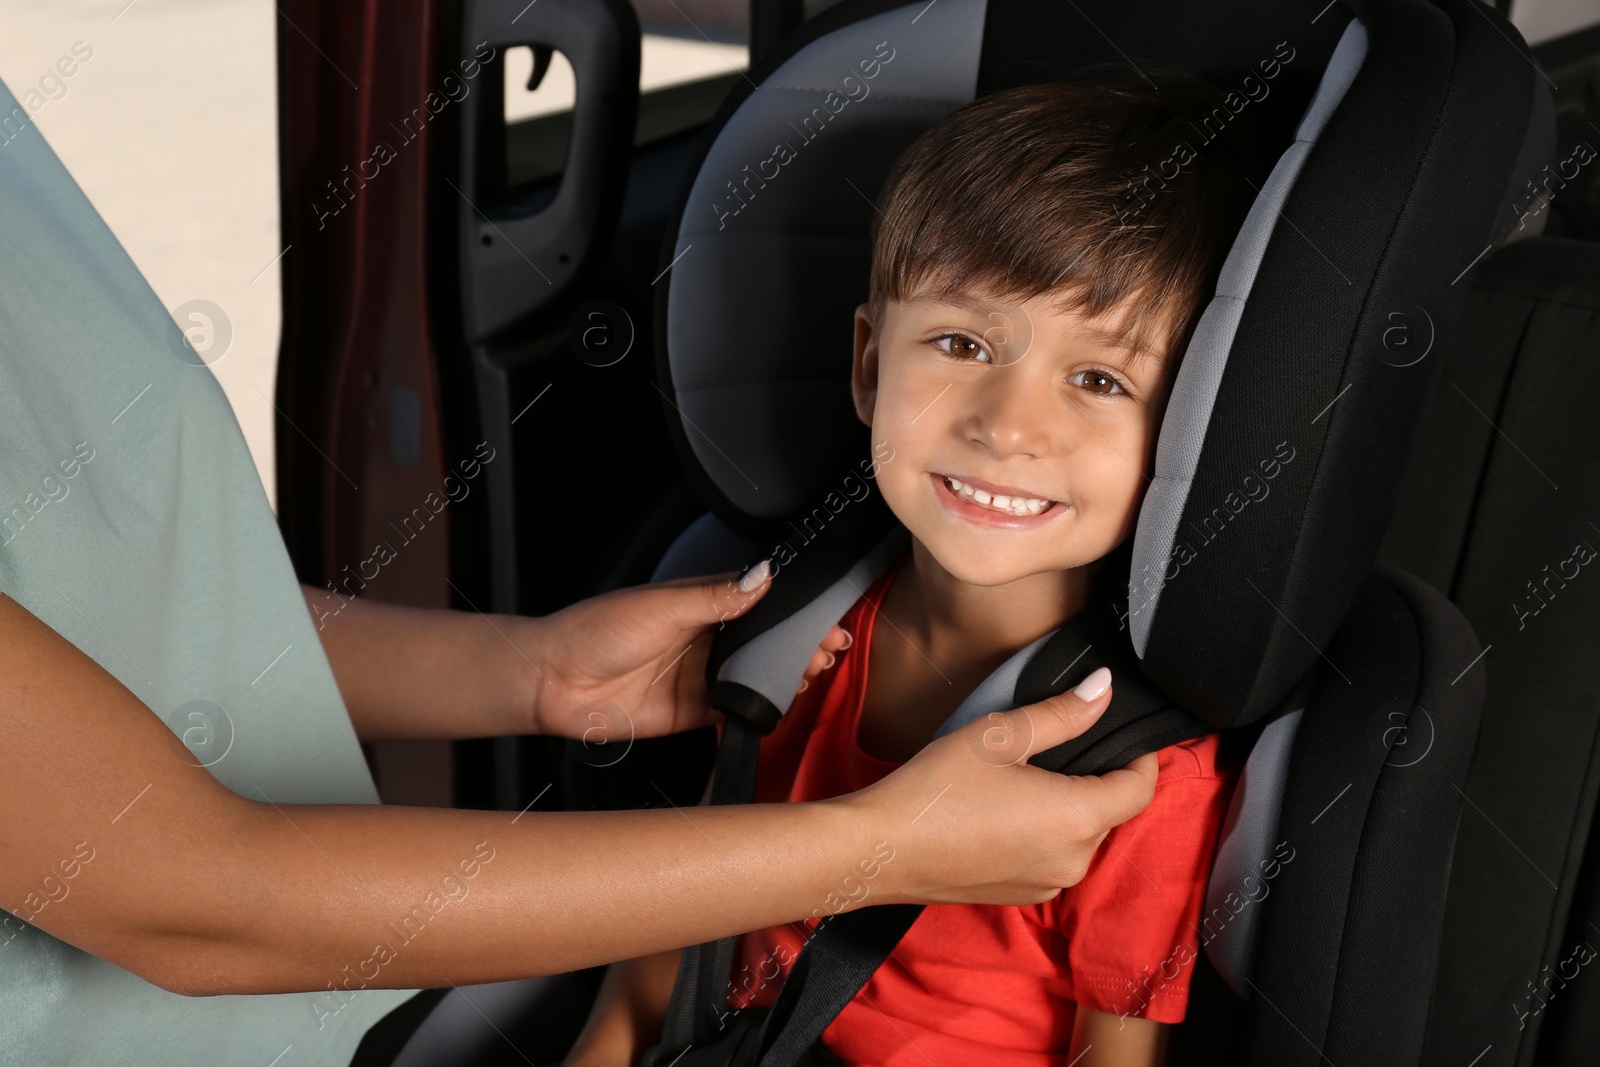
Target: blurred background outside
(169,124)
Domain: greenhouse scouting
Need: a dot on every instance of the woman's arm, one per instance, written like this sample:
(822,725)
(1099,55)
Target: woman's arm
(201,890)
(427,673)
(630,1007)
(424,673)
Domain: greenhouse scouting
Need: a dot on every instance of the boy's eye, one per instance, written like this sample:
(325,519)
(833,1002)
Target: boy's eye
(962,347)
(1097,381)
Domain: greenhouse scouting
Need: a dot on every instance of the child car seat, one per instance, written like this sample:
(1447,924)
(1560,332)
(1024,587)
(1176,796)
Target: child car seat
(1399,125)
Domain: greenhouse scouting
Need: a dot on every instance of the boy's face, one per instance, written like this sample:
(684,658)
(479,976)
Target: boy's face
(983,398)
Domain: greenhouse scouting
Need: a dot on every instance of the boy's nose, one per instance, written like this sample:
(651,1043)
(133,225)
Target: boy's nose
(1006,414)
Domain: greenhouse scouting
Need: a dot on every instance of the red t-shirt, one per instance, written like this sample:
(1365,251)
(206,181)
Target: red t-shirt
(984,983)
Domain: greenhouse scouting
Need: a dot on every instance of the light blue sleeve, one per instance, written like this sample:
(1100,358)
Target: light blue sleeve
(133,522)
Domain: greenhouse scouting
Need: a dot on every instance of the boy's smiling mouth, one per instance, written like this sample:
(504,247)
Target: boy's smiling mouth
(991,504)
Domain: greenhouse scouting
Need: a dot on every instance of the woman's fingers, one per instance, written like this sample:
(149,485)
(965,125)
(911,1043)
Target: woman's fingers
(838,640)
(981,825)
(826,655)
(1117,796)
(700,602)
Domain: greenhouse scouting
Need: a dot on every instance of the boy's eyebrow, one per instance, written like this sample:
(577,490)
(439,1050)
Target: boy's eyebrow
(1128,355)
(1105,338)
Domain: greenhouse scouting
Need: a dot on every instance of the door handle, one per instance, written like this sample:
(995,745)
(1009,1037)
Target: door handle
(517,256)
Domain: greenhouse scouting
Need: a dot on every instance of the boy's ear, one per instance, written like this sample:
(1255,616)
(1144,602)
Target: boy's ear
(864,367)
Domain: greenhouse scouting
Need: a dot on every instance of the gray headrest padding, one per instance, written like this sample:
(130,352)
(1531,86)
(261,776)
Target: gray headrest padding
(1194,392)
(774,663)
(707,546)
(1241,878)
(773,249)
(996,693)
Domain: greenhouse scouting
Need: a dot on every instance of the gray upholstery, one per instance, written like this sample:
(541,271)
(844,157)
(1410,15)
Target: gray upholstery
(995,693)
(706,547)
(1231,919)
(760,302)
(1194,392)
(774,663)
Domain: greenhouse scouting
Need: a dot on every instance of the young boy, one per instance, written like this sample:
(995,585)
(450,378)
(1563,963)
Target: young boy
(1040,260)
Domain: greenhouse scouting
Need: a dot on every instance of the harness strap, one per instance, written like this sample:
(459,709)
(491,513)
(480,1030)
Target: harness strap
(845,950)
(753,661)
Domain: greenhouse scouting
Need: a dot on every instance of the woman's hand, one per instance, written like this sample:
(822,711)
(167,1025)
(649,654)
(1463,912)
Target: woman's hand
(204,891)
(627,664)
(632,663)
(979,826)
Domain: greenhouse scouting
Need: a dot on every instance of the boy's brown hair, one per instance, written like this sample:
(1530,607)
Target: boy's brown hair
(1096,191)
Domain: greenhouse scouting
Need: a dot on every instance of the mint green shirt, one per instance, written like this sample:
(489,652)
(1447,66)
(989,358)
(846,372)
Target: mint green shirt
(133,523)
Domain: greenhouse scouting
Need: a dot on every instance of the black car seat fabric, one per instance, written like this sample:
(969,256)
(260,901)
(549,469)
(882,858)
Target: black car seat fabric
(1296,368)
(1500,510)
(1351,940)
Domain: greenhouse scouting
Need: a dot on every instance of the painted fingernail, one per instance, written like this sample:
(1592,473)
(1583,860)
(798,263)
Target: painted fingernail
(1097,682)
(849,639)
(755,576)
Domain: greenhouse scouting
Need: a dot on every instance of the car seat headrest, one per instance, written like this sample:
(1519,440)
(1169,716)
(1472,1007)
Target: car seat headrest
(1397,127)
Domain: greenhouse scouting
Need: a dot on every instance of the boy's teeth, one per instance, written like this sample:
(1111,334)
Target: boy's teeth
(1016,505)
